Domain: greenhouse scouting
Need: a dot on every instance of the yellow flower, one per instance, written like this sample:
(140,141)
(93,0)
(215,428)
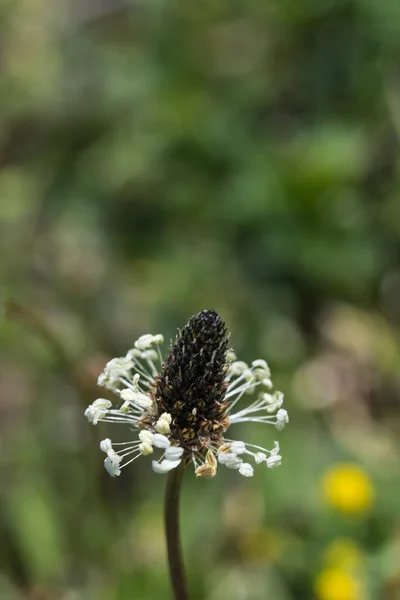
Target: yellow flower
(337,584)
(348,488)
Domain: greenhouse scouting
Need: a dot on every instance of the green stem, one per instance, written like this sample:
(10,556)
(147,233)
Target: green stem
(171,520)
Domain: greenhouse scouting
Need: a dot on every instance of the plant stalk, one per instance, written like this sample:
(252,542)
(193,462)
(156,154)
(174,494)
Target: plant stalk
(171,520)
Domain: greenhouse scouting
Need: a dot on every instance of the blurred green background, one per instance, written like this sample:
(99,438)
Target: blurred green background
(158,158)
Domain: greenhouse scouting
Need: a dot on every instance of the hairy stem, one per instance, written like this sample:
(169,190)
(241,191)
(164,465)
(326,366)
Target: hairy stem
(171,519)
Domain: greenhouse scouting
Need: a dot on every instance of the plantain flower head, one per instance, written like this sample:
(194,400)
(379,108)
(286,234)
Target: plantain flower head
(179,408)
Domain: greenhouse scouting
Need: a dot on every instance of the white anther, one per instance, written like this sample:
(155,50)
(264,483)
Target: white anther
(238,447)
(111,464)
(275,401)
(149,355)
(138,398)
(164,466)
(260,363)
(128,395)
(125,407)
(106,446)
(173,452)
(160,441)
(145,448)
(260,457)
(246,470)
(97,410)
(274,461)
(234,463)
(145,341)
(275,449)
(146,436)
(162,425)
(225,457)
(282,418)
(238,367)
(231,356)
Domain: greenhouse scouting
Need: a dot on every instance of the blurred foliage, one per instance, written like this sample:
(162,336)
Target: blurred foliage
(158,158)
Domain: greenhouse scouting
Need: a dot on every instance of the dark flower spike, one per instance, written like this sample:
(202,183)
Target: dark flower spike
(192,384)
(184,405)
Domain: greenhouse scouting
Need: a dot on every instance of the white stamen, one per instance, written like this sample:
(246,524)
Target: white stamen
(111,464)
(160,441)
(238,367)
(246,470)
(231,356)
(164,466)
(260,363)
(105,445)
(233,462)
(173,452)
(225,457)
(282,418)
(146,436)
(125,407)
(145,448)
(274,461)
(138,398)
(260,457)
(149,355)
(145,341)
(162,425)
(238,448)
(98,410)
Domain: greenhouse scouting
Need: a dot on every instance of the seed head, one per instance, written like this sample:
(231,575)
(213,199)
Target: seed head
(191,386)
